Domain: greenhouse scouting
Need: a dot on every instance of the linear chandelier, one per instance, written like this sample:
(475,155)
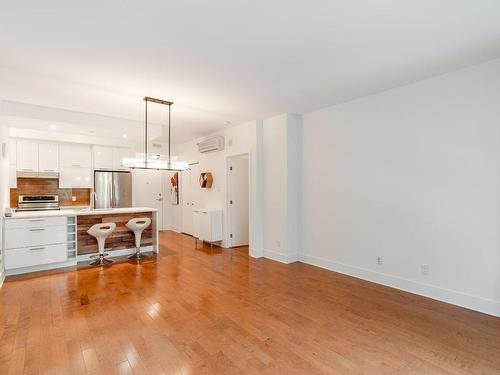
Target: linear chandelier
(153,161)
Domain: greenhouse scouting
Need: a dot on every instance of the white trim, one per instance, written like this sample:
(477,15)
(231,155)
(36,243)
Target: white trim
(2,278)
(115,253)
(453,297)
(281,257)
(40,267)
(256,253)
(173,228)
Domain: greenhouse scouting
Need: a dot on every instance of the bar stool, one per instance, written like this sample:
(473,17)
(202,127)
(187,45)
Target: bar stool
(137,226)
(101,231)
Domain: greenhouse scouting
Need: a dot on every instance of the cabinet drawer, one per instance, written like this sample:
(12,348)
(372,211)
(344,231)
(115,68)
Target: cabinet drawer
(35,222)
(33,256)
(35,236)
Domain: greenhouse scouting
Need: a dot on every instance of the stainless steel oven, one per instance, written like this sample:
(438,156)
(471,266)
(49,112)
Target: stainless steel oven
(38,202)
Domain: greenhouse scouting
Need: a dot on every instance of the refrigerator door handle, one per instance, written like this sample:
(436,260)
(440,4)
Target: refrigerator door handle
(112,192)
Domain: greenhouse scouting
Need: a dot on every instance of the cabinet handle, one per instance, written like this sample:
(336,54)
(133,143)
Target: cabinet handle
(76,165)
(37,248)
(36,230)
(27,170)
(49,170)
(32,220)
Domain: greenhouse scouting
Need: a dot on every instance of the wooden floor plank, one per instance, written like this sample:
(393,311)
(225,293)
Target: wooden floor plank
(214,311)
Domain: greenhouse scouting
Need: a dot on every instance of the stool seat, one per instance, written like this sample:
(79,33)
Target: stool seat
(137,225)
(101,231)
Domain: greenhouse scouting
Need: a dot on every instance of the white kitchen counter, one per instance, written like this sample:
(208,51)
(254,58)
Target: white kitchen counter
(78,212)
(42,240)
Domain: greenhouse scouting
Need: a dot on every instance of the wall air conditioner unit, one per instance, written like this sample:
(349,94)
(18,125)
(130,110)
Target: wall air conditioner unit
(211,144)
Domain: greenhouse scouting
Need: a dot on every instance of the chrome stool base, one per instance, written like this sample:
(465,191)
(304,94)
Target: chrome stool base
(138,255)
(100,261)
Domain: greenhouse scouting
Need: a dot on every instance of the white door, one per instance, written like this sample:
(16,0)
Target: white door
(48,157)
(238,200)
(27,156)
(74,155)
(75,177)
(103,158)
(118,155)
(147,190)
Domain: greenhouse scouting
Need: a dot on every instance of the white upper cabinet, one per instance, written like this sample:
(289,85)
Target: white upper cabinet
(75,177)
(27,156)
(75,155)
(110,158)
(48,157)
(118,155)
(103,158)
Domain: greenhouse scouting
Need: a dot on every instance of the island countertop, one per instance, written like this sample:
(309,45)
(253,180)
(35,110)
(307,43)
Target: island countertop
(78,212)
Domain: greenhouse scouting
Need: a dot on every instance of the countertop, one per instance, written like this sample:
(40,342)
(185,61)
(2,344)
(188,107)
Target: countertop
(79,212)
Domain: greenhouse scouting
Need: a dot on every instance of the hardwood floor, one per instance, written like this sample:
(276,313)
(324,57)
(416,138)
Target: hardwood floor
(201,312)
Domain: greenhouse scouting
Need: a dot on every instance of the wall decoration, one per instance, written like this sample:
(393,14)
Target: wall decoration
(206,180)
(174,189)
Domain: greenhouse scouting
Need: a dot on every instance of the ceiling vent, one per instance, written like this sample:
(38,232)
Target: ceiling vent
(211,144)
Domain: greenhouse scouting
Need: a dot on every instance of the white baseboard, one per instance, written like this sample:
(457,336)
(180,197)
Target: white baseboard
(476,303)
(115,253)
(255,253)
(173,228)
(41,267)
(280,257)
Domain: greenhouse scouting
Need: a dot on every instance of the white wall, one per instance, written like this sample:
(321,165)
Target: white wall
(4,188)
(412,175)
(241,139)
(281,187)
(274,179)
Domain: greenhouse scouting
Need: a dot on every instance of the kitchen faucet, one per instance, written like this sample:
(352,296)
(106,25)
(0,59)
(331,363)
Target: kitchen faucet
(93,198)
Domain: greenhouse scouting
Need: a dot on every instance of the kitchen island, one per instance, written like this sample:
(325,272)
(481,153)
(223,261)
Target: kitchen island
(41,240)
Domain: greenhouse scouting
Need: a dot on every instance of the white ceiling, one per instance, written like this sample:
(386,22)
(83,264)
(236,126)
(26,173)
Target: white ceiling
(232,60)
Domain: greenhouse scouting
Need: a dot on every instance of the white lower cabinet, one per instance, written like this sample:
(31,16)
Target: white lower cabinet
(207,224)
(23,237)
(32,242)
(34,256)
(36,222)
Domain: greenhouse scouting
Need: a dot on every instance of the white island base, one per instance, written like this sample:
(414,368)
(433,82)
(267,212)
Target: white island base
(44,240)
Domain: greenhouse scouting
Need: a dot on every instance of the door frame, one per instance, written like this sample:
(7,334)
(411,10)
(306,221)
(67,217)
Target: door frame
(228,206)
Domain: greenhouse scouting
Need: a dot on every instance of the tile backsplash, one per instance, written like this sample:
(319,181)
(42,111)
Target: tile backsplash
(35,186)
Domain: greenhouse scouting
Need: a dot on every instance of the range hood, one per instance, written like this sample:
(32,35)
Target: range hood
(27,174)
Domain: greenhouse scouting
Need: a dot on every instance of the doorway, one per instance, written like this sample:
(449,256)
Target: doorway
(238,200)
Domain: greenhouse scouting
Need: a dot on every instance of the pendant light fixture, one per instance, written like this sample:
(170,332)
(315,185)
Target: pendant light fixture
(153,161)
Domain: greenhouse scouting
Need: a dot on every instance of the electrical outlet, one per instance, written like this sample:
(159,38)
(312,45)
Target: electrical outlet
(379,260)
(424,268)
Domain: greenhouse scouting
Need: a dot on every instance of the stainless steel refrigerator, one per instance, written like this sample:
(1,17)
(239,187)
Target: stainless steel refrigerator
(112,189)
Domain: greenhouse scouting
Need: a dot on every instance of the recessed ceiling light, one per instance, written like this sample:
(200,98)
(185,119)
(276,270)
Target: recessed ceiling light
(52,127)
(124,135)
(228,122)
